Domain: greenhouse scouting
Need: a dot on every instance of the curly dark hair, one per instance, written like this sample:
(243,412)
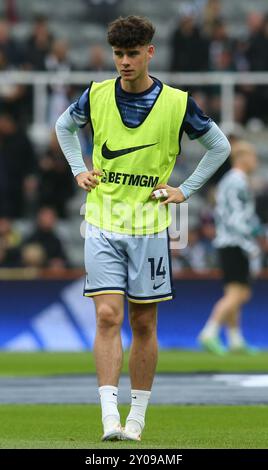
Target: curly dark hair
(130,31)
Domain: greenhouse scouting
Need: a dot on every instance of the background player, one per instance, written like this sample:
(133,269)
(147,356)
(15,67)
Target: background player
(236,229)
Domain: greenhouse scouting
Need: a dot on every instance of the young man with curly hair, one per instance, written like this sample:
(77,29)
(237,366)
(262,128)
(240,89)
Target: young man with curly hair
(137,123)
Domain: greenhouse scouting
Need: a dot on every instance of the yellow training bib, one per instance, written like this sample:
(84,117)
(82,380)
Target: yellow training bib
(133,160)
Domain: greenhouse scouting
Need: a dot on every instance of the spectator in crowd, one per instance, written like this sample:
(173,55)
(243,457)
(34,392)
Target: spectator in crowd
(11,95)
(10,241)
(220,48)
(207,234)
(194,255)
(265,33)
(17,164)
(38,45)
(33,256)
(11,12)
(240,108)
(8,46)
(4,256)
(189,47)
(56,183)
(97,60)
(256,47)
(103,11)
(240,59)
(211,13)
(221,60)
(257,42)
(58,61)
(45,236)
(3,61)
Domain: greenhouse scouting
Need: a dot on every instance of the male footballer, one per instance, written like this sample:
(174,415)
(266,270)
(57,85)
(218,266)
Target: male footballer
(237,231)
(137,124)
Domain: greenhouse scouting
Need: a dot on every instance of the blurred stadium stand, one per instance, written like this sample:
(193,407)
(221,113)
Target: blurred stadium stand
(233,37)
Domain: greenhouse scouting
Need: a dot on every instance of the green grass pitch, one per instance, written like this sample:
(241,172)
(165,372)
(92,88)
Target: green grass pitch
(44,363)
(177,427)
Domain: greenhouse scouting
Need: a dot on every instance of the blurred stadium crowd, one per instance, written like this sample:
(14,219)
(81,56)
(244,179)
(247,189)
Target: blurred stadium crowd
(35,181)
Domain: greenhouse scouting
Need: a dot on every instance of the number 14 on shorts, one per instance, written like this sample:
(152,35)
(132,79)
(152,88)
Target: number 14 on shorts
(157,268)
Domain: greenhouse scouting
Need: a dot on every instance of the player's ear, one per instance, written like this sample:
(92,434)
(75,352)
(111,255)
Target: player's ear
(151,51)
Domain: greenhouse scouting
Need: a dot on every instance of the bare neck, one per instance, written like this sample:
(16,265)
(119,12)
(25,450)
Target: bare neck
(137,86)
(241,168)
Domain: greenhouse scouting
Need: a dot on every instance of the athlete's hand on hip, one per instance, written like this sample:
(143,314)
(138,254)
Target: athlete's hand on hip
(87,180)
(171,194)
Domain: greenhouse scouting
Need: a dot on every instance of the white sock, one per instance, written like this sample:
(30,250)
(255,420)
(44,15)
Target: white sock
(108,398)
(235,338)
(139,402)
(210,329)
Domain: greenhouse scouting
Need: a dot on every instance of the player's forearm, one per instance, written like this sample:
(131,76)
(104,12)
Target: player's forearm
(66,131)
(218,149)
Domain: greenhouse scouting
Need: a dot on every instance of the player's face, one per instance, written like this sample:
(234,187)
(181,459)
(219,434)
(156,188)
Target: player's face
(249,161)
(132,63)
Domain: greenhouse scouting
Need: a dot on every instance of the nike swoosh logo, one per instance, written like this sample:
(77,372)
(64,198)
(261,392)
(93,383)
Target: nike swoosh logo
(114,394)
(134,397)
(157,287)
(110,154)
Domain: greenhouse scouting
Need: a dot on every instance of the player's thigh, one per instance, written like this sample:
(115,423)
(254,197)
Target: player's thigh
(105,263)
(237,292)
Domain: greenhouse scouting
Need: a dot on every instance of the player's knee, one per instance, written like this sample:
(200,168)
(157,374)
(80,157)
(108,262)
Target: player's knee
(243,296)
(237,297)
(246,295)
(142,325)
(108,317)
